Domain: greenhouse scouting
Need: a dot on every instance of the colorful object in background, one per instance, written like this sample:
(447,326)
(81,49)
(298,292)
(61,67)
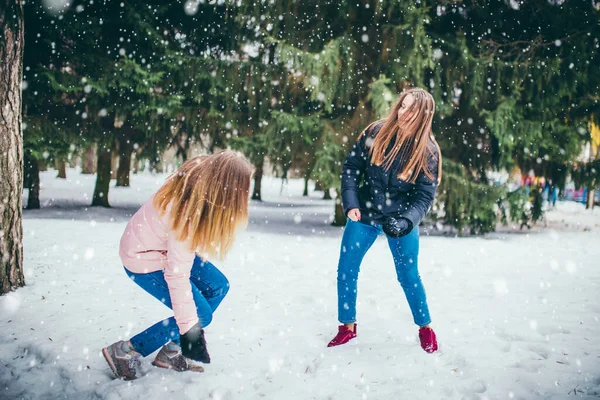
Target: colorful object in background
(574,195)
(595,134)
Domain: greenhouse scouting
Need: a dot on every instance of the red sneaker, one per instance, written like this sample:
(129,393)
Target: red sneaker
(344,335)
(428,339)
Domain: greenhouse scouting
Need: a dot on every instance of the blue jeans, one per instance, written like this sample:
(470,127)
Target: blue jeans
(356,241)
(209,287)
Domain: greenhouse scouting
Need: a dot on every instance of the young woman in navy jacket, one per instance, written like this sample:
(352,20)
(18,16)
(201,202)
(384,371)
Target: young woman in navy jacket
(389,180)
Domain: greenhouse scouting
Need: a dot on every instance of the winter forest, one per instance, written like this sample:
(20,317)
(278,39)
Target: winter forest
(105,103)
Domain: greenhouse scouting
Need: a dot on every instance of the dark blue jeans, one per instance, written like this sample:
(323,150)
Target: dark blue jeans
(356,241)
(209,287)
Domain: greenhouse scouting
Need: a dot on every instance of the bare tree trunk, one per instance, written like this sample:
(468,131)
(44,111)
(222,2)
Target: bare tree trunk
(32,179)
(326,194)
(183,150)
(61,167)
(258,174)
(33,200)
(319,185)
(156,163)
(589,203)
(11,145)
(114,162)
(103,178)
(136,161)
(125,150)
(73,161)
(88,160)
(308,172)
(339,218)
(305,192)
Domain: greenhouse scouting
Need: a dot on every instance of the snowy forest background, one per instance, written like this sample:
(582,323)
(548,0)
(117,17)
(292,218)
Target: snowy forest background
(116,84)
(101,99)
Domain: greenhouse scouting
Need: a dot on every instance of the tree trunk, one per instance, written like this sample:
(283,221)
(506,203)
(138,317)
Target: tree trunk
(26,167)
(258,174)
(103,178)
(326,194)
(183,150)
(114,162)
(61,167)
(156,165)
(88,160)
(307,178)
(32,178)
(125,150)
(305,192)
(589,203)
(73,161)
(319,185)
(136,161)
(11,145)
(339,218)
(124,169)
(187,146)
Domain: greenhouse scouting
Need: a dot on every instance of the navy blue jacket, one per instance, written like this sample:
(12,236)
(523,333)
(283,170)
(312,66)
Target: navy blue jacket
(379,193)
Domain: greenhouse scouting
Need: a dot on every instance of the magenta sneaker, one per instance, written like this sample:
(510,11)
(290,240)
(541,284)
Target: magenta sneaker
(428,339)
(343,336)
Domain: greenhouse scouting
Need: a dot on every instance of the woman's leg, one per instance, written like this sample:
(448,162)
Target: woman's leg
(405,251)
(357,239)
(209,287)
(212,284)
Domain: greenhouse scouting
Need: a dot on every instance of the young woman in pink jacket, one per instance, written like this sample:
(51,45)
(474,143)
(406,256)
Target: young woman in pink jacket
(196,211)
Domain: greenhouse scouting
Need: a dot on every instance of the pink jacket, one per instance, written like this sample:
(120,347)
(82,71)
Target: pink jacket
(148,245)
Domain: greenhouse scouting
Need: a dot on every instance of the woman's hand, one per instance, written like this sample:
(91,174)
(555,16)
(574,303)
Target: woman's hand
(354,214)
(193,344)
(397,227)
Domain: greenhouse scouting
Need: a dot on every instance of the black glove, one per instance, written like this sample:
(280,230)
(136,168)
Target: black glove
(193,344)
(396,227)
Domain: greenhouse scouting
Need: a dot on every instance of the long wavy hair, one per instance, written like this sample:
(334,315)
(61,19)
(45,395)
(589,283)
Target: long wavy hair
(207,201)
(409,134)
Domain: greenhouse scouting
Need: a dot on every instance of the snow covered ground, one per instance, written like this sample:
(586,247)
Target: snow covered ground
(517,314)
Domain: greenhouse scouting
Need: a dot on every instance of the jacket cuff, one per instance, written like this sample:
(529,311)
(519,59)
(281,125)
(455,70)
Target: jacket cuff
(349,203)
(413,216)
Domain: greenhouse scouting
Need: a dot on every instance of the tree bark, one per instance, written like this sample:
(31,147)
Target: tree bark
(305,192)
(136,161)
(326,194)
(103,177)
(125,150)
(11,145)
(61,167)
(73,161)
(88,160)
(258,174)
(319,185)
(308,173)
(156,164)
(339,218)
(114,162)
(32,179)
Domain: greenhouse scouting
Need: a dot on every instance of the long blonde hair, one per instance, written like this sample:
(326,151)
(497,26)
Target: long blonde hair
(410,137)
(207,199)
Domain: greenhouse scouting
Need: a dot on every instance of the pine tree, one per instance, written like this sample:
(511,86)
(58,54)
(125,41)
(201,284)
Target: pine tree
(113,92)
